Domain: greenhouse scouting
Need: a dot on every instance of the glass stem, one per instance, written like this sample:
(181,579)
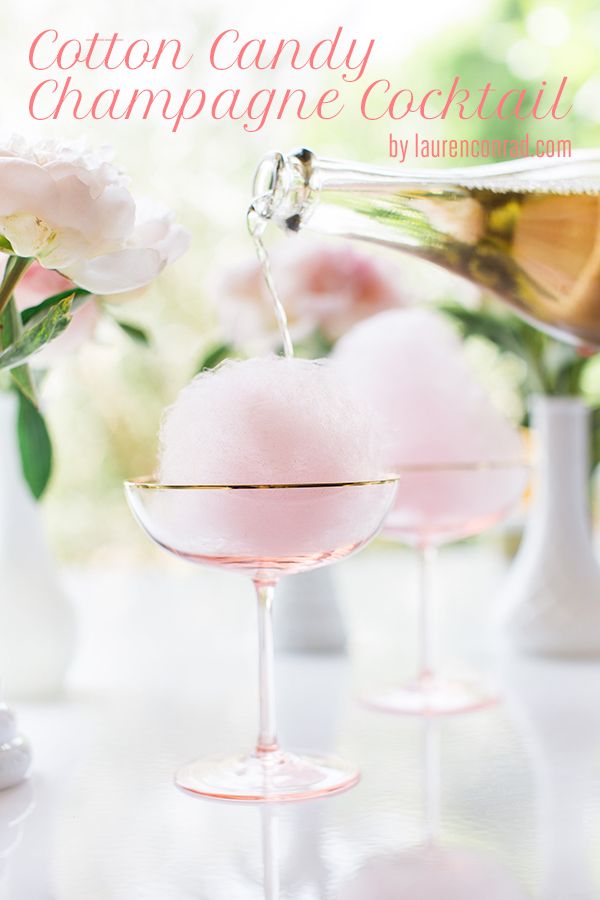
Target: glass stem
(427,556)
(267,735)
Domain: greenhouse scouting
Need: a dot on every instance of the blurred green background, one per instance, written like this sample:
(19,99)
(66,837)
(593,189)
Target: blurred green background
(104,401)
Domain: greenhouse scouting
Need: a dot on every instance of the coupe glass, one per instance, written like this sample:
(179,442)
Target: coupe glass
(265,531)
(439,504)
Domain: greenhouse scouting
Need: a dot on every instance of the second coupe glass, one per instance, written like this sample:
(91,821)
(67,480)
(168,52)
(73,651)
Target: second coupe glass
(439,504)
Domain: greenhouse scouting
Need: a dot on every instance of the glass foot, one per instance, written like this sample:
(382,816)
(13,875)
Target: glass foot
(270,777)
(431,696)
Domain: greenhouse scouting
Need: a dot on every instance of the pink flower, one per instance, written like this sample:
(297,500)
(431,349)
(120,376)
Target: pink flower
(324,286)
(39,283)
(585,350)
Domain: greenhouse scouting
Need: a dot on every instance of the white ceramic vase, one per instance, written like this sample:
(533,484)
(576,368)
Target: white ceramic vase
(37,624)
(551,601)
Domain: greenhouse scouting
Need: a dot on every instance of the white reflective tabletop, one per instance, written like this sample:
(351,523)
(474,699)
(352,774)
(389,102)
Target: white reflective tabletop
(501,804)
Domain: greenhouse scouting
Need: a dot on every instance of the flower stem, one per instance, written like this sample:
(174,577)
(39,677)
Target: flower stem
(15,268)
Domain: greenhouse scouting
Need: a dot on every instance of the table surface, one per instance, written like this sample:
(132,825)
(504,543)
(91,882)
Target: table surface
(496,805)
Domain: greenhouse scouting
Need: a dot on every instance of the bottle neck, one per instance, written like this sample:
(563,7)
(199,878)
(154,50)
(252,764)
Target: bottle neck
(417,206)
(289,189)
(287,186)
(407,211)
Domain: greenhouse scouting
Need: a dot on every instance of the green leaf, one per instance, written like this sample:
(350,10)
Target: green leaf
(134,332)
(79,296)
(214,356)
(35,446)
(511,335)
(53,322)
(595,443)
(499,330)
(566,367)
(10,330)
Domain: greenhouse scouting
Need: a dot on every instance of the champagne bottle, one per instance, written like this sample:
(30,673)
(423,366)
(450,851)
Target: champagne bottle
(528,230)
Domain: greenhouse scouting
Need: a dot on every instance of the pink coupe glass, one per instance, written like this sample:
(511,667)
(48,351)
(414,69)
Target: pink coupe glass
(265,531)
(439,504)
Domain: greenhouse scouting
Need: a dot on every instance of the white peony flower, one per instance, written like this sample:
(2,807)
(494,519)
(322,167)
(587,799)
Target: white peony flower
(72,210)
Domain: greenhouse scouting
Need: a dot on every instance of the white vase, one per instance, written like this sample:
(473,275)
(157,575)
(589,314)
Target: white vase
(37,624)
(551,600)
(307,615)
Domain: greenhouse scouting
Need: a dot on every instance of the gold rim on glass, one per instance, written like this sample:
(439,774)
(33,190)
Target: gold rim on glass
(151,484)
(483,465)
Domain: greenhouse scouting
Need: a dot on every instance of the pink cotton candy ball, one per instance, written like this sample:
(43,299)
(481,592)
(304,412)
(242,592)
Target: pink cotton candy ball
(412,367)
(269,420)
(437,422)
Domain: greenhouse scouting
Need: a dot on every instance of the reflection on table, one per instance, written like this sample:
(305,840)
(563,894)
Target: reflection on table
(501,804)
